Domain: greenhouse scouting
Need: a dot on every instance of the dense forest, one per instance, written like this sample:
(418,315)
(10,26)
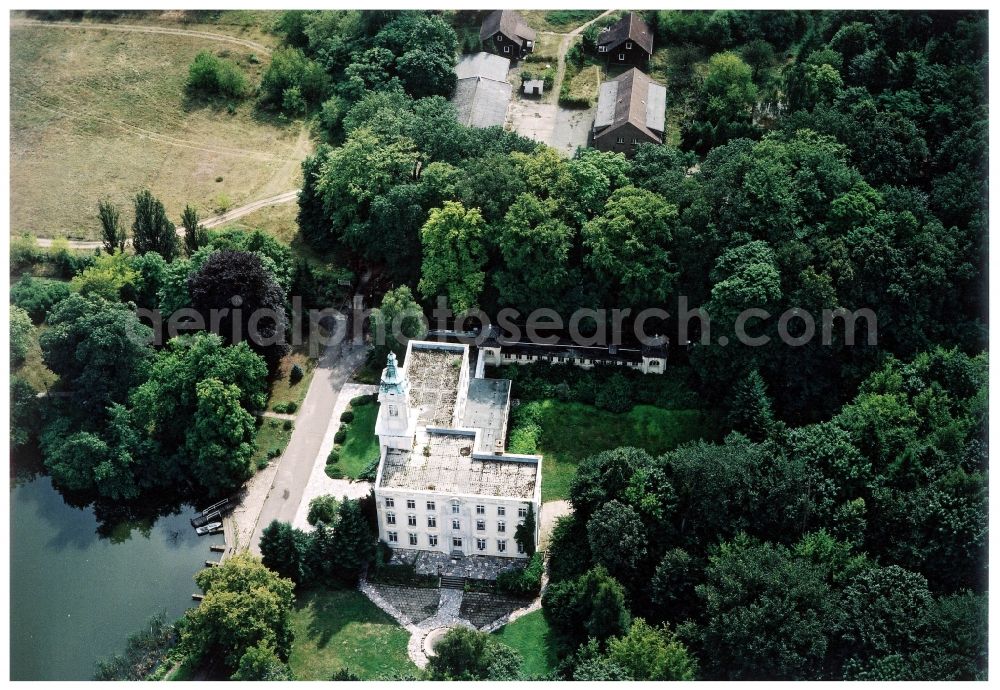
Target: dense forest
(825,160)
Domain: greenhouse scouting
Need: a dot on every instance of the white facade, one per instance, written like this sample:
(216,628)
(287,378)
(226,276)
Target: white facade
(444,484)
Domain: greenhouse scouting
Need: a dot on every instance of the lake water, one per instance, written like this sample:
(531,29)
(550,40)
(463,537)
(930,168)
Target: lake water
(76,596)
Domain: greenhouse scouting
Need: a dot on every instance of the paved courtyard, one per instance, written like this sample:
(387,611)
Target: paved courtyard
(563,129)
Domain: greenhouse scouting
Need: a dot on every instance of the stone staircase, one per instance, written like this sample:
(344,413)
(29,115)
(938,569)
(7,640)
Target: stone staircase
(452,582)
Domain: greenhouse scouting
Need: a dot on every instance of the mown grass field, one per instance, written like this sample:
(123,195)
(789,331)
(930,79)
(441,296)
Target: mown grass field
(530,636)
(337,629)
(572,432)
(361,445)
(98,112)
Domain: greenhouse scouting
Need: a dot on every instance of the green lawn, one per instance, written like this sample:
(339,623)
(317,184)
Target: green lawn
(282,389)
(530,636)
(270,434)
(337,629)
(361,445)
(573,431)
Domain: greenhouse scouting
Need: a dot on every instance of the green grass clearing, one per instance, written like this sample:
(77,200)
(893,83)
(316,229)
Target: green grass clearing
(558,20)
(572,432)
(282,389)
(581,89)
(97,113)
(337,629)
(361,445)
(530,636)
(270,435)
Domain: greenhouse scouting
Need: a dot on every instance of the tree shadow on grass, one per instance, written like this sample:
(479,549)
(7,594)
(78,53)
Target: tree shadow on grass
(331,612)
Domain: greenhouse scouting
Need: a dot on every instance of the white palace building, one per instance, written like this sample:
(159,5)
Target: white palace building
(444,482)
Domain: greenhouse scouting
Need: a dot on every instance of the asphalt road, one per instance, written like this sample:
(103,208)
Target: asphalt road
(316,414)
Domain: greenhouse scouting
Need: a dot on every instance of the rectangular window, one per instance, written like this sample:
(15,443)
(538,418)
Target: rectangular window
(432,539)
(480,510)
(430,505)
(520,547)
(455,524)
(456,542)
(390,518)
(628,45)
(389,502)
(432,521)
(522,512)
(501,545)
(393,411)
(602,49)
(501,510)
(413,539)
(411,504)
(481,525)
(501,527)
(411,520)
(454,508)
(634,142)
(621,56)
(481,544)
(621,140)
(393,537)
(506,49)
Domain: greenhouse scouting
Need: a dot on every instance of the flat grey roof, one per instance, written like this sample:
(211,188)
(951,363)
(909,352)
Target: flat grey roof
(606,100)
(482,102)
(486,409)
(482,64)
(656,107)
(447,466)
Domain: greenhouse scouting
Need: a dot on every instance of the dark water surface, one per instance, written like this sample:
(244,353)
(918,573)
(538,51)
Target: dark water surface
(76,596)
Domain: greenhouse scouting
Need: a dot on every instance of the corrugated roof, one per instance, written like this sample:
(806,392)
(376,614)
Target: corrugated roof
(482,64)
(481,102)
(509,23)
(631,27)
(633,98)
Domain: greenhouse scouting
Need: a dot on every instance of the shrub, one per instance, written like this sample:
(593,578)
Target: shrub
(291,407)
(615,395)
(37,296)
(280,407)
(361,400)
(287,426)
(274,452)
(341,434)
(323,509)
(368,474)
(214,76)
(333,472)
(24,253)
(347,417)
(292,102)
(295,375)
(523,582)
(334,457)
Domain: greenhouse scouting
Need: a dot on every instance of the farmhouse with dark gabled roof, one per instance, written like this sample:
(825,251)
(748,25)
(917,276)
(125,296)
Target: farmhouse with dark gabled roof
(506,33)
(631,110)
(626,42)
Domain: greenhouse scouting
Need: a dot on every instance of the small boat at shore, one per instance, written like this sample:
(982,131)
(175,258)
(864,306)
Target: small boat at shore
(206,529)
